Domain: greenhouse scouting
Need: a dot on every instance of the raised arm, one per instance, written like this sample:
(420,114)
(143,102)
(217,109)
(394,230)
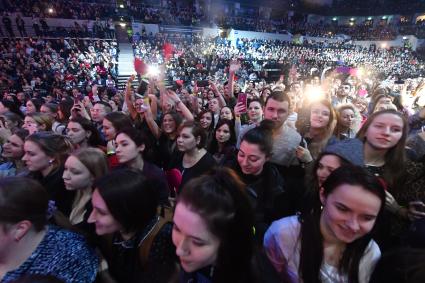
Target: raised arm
(180,106)
(150,120)
(128,100)
(220,97)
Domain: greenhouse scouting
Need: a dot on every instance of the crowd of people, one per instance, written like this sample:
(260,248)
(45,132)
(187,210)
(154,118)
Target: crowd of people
(83,10)
(14,25)
(351,7)
(34,68)
(197,58)
(180,13)
(263,161)
(211,169)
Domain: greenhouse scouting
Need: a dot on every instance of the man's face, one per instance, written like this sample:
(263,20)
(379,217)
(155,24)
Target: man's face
(344,90)
(98,113)
(276,111)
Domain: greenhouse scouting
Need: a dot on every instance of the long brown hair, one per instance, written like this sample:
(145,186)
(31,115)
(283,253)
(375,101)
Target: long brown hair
(395,157)
(303,125)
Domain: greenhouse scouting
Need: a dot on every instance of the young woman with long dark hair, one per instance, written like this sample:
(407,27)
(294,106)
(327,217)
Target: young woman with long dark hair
(333,242)
(125,206)
(213,232)
(222,146)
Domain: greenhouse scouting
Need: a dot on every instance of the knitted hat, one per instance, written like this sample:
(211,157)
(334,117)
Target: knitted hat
(350,150)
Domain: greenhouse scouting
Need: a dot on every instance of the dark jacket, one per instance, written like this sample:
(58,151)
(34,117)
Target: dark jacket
(124,260)
(53,183)
(268,196)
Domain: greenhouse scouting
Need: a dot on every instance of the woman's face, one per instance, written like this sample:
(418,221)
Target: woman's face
(30,107)
(76,176)
(347,118)
(3,109)
(255,111)
(13,148)
(76,133)
(114,106)
(226,113)
(360,106)
(30,125)
(104,221)
(320,115)
(222,134)
(327,164)
(126,149)
(167,106)
(251,159)
(349,212)
(186,141)
(168,124)
(210,95)
(200,103)
(266,93)
(35,159)
(196,246)
(385,131)
(108,130)
(206,120)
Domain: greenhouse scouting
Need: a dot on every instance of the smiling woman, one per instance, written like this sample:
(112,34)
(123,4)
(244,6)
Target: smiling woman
(333,242)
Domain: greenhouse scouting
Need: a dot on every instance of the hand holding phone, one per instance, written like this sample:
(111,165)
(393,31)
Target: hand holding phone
(202,83)
(242,100)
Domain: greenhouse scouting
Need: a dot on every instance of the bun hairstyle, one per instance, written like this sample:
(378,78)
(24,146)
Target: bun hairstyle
(23,199)
(94,139)
(220,201)
(261,136)
(197,131)
(53,145)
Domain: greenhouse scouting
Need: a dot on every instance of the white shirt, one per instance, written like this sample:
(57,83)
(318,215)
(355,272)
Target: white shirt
(283,248)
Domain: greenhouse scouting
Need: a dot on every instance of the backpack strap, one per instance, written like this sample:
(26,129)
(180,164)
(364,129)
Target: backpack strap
(166,215)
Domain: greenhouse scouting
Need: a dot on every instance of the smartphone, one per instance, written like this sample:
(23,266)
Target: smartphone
(242,98)
(203,83)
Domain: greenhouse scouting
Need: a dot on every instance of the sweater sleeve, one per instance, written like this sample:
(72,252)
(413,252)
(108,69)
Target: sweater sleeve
(368,262)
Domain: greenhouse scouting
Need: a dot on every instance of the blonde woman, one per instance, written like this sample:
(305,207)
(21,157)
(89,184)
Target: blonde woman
(81,169)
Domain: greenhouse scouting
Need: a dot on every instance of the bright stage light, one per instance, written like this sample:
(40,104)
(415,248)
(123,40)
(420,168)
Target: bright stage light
(314,93)
(153,70)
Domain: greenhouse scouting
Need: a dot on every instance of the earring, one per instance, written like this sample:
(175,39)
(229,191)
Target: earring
(51,161)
